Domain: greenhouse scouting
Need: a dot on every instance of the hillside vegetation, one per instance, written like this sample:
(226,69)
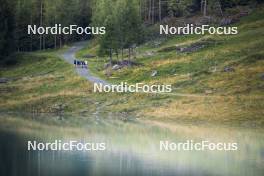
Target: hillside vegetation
(226,74)
(222,82)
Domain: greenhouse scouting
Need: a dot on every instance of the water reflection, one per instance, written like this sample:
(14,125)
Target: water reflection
(132,148)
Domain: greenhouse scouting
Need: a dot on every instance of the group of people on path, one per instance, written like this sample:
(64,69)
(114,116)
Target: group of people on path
(82,64)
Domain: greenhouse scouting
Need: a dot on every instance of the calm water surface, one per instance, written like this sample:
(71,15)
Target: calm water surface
(132,148)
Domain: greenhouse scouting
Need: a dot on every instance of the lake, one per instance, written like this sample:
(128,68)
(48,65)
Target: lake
(132,147)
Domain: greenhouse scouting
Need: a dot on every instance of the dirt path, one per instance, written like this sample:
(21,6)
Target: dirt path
(69,56)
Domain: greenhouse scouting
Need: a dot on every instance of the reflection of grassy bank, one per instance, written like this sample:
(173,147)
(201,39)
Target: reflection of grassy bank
(141,140)
(121,133)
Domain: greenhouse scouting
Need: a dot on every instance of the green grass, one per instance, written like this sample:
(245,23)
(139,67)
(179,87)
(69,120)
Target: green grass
(41,81)
(240,92)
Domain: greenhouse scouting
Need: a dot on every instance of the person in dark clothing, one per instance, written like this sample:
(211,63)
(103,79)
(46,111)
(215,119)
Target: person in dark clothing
(74,63)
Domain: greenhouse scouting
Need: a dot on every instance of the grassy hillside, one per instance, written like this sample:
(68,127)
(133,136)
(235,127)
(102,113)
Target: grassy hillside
(220,83)
(41,82)
(226,74)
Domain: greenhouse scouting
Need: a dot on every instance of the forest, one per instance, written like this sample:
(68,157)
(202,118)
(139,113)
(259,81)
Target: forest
(128,22)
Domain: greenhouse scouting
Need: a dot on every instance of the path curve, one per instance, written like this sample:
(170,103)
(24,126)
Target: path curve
(69,56)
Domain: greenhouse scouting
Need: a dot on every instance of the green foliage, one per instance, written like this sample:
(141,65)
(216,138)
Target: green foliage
(122,21)
(18,14)
(232,3)
(179,8)
(6,28)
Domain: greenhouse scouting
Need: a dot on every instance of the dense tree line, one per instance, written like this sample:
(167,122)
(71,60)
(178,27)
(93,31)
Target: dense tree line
(155,10)
(16,15)
(124,20)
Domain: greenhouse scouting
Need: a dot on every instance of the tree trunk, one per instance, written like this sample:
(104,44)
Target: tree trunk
(122,54)
(41,22)
(149,16)
(110,57)
(55,36)
(60,42)
(160,10)
(153,12)
(129,57)
(205,7)
(146,10)
(55,41)
(117,54)
(140,10)
(129,54)
(44,44)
